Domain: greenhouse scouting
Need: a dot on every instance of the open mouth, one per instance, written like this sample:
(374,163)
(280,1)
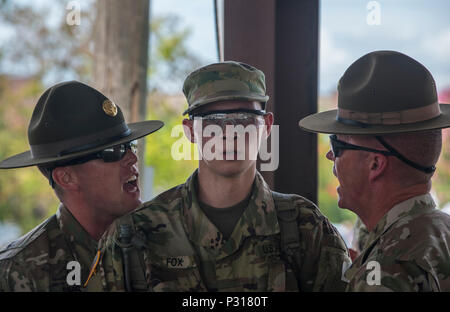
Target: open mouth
(131,185)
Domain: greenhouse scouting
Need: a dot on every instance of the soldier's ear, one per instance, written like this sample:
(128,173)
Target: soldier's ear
(268,122)
(377,166)
(188,127)
(65,178)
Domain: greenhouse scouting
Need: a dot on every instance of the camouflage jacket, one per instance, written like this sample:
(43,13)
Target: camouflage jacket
(409,248)
(38,260)
(184,251)
(360,236)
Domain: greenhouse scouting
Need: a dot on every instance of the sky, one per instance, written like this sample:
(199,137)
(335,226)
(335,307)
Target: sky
(413,27)
(418,28)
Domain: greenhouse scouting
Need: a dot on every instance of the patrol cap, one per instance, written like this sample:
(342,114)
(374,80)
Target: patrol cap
(223,81)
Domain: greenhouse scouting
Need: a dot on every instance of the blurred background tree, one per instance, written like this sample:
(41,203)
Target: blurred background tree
(42,45)
(441,179)
(25,194)
(168,172)
(50,51)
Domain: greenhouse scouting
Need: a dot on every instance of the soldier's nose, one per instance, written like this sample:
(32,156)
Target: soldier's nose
(129,159)
(330,155)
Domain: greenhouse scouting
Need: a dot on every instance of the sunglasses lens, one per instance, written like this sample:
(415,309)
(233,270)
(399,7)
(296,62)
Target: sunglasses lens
(117,152)
(133,146)
(113,153)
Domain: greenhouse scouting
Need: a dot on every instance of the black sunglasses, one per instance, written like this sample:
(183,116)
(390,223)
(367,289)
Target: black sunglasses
(337,146)
(110,154)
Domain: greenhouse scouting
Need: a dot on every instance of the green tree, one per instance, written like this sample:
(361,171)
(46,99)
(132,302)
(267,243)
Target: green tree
(168,171)
(170,59)
(441,179)
(327,186)
(59,52)
(25,195)
(170,62)
(48,48)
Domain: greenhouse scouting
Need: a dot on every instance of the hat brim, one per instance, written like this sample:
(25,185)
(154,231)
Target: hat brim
(228,97)
(137,130)
(326,122)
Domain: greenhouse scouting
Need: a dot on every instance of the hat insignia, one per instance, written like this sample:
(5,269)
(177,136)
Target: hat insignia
(109,108)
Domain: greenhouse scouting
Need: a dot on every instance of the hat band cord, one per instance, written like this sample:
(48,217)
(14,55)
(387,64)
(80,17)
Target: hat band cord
(351,122)
(390,118)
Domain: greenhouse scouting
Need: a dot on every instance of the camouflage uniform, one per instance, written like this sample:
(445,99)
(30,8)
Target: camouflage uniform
(360,236)
(37,261)
(411,244)
(184,251)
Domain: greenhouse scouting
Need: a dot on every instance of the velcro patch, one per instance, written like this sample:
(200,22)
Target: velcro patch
(267,248)
(179,262)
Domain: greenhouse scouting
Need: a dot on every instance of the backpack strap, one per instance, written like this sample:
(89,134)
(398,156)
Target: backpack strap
(287,214)
(131,245)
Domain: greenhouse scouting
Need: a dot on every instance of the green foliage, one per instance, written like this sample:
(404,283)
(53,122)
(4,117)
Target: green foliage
(48,47)
(62,51)
(170,59)
(170,40)
(327,186)
(168,171)
(26,198)
(441,180)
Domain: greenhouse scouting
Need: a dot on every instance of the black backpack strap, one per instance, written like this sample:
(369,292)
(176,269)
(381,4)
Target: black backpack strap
(287,214)
(131,246)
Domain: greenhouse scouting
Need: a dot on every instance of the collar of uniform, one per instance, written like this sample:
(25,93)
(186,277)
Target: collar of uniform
(410,207)
(200,230)
(73,230)
(259,218)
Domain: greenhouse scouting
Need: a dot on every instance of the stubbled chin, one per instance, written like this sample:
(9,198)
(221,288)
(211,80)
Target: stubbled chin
(131,204)
(134,197)
(133,193)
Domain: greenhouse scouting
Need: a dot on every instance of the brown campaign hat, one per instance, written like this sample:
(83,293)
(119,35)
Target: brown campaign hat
(71,120)
(383,92)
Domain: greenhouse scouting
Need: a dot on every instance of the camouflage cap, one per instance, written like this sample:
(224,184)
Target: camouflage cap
(224,81)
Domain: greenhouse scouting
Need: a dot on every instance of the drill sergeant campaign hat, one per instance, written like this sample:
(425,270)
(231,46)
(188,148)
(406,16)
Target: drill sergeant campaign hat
(383,92)
(71,120)
(224,81)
